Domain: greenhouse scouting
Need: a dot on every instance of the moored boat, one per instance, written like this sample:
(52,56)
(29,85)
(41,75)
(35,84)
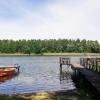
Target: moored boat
(8,70)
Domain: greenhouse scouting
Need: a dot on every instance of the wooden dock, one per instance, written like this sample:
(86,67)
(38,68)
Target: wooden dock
(90,70)
(91,76)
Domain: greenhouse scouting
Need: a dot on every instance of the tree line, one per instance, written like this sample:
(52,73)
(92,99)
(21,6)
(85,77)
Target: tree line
(49,46)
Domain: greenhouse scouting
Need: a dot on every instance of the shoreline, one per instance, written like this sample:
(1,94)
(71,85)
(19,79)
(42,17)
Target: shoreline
(57,95)
(50,54)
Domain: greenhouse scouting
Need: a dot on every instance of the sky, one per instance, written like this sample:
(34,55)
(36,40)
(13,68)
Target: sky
(50,19)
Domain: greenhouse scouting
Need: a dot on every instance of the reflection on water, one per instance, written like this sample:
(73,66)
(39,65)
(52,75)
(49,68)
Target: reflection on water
(8,77)
(65,78)
(38,73)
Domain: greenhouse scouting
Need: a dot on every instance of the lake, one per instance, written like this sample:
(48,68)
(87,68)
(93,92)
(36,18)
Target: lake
(37,74)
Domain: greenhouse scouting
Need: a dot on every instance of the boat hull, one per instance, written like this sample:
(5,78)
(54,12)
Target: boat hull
(7,71)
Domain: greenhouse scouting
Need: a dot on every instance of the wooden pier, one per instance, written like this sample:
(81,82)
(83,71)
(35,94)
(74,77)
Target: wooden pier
(89,68)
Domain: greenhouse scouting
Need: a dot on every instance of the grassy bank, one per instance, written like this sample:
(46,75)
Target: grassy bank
(72,54)
(47,96)
(50,54)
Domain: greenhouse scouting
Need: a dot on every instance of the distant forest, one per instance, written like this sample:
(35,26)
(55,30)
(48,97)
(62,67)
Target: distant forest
(49,46)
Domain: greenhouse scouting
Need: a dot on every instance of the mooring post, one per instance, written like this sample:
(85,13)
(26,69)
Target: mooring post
(60,62)
(18,68)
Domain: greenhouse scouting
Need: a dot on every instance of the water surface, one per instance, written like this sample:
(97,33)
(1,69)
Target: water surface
(37,73)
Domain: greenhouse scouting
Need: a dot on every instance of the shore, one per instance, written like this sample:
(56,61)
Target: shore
(50,54)
(67,95)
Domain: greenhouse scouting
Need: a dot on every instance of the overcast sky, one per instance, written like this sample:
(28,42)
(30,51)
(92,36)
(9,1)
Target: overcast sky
(46,19)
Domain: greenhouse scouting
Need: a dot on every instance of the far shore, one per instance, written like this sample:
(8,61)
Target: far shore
(50,54)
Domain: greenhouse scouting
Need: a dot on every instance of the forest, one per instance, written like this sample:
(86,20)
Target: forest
(49,46)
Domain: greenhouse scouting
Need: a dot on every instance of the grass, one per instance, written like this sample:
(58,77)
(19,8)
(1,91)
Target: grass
(36,97)
(11,97)
(46,96)
(50,54)
(72,54)
(13,54)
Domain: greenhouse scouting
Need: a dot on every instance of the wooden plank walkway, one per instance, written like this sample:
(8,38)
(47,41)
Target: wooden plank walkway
(90,75)
(76,66)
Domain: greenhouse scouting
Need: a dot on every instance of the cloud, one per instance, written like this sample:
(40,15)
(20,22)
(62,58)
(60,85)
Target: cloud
(50,19)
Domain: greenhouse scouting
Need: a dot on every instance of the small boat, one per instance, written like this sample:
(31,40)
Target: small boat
(8,70)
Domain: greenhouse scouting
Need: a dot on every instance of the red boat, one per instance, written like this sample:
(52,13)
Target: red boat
(7,71)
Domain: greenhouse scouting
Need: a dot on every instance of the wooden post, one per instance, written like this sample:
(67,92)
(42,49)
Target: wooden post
(93,64)
(60,60)
(18,68)
(98,64)
(81,61)
(85,63)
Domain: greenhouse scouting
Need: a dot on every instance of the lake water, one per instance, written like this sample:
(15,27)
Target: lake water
(37,74)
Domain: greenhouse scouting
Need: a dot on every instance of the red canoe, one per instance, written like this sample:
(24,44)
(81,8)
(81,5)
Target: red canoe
(7,71)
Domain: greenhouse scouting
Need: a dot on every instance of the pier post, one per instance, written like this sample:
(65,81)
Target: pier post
(18,68)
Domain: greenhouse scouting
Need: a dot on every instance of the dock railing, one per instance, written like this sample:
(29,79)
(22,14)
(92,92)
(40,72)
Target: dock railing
(91,63)
(64,61)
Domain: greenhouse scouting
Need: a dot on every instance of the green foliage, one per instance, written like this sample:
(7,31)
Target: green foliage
(11,97)
(49,46)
